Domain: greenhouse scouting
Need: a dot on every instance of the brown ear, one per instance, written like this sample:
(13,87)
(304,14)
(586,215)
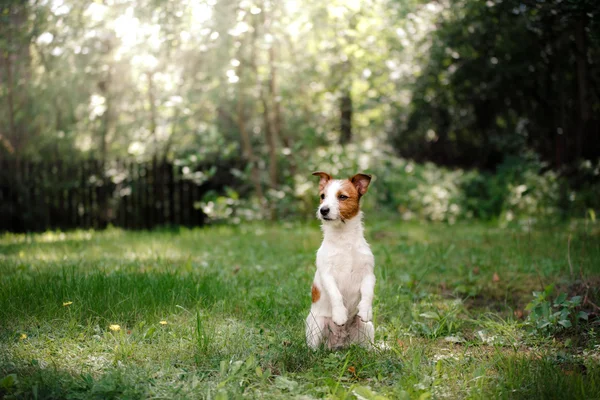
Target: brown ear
(325,177)
(361,182)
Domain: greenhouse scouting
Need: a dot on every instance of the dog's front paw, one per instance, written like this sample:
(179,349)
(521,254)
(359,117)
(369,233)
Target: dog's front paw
(365,314)
(339,315)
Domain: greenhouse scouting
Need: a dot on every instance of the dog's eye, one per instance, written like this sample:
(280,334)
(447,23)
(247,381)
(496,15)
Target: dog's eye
(322,197)
(342,197)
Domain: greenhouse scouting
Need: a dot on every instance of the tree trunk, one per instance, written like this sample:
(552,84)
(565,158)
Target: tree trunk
(247,150)
(582,85)
(248,153)
(271,119)
(16,75)
(106,89)
(271,139)
(346,118)
(106,118)
(270,132)
(167,148)
(153,117)
(12,131)
(276,118)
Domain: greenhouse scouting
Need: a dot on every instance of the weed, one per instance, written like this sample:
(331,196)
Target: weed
(435,318)
(549,317)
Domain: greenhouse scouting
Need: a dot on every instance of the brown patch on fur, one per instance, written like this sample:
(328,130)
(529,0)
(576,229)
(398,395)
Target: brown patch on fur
(361,182)
(325,178)
(348,207)
(315,293)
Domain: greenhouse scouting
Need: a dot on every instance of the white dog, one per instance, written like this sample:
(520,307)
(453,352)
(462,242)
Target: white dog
(342,290)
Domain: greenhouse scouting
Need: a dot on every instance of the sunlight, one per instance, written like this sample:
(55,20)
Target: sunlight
(239,29)
(126,27)
(200,13)
(137,37)
(97,106)
(45,38)
(231,76)
(145,61)
(59,7)
(96,12)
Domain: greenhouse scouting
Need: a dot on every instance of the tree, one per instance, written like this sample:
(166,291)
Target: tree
(505,77)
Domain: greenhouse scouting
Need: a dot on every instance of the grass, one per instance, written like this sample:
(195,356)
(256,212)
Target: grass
(232,301)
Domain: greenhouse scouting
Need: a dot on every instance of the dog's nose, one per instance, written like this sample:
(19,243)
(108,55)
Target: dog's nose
(324,210)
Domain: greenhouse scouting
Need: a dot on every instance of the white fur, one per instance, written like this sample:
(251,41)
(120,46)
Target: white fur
(331,201)
(345,280)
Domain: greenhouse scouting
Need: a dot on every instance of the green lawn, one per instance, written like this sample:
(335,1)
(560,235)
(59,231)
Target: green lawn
(448,312)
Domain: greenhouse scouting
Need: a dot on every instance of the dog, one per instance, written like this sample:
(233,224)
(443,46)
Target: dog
(342,291)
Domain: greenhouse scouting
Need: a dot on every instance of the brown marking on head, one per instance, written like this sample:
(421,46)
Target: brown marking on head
(348,198)
(350,193)
(361,182)
(315,293)
(325,178)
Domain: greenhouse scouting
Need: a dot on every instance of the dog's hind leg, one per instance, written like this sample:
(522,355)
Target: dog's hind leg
(315,330)
(336,335)
(361,333)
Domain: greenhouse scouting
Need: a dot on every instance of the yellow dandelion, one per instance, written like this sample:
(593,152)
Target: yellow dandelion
(163,322)
(23,336)
(115,328)
(67,303)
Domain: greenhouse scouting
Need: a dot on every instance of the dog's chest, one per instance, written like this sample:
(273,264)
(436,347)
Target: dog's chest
(348,263)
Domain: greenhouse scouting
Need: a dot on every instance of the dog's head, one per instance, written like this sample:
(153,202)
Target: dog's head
(340,198)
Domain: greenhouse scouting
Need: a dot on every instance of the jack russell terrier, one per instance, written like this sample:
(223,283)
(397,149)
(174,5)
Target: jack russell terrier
(342,290)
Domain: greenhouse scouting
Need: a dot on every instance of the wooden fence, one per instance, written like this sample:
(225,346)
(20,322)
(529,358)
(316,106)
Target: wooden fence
(62,195)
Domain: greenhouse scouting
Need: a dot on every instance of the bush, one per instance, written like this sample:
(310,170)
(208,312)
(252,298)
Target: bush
(521,189)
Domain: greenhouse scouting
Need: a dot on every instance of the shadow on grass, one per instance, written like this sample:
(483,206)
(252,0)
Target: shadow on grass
(112,296)
(127,295)
(54,383)
(513,377)
(545,377)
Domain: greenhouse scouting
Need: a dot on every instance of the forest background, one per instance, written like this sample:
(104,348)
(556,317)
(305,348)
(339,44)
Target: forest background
(461,109)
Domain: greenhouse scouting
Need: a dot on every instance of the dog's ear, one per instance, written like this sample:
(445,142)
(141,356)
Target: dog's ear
(361,182)
(325,177)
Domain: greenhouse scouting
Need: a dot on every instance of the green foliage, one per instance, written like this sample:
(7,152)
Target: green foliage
(522,190)
(146,78)
(203,336)
(495,82)
(436,319)
(230,208)
(8,383)
(468,283)
(545,378)
(257,88)
(547,316)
